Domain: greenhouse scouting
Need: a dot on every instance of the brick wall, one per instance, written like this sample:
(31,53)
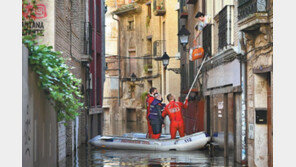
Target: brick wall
(69,36)
(61,144)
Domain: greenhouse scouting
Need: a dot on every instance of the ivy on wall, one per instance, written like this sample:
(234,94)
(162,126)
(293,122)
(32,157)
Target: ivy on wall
(55,78)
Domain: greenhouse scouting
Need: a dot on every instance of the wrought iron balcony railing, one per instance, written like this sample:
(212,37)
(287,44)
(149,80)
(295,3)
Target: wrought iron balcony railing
(159,7)
(87,38)
(140,1)
(191,1)
(158,48)
(207,39)
(247,7)
(183,9)
(148,64)
(225,27)
(129,8)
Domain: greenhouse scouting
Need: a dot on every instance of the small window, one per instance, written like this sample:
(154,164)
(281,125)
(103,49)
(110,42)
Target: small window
(130,26)
(149,10)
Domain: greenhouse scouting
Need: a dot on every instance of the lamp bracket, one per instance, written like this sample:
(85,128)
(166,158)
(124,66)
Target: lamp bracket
(175,70)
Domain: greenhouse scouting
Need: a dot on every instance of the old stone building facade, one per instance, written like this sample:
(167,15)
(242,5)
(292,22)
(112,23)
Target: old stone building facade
(216,102)
(146,29)
(257,28)
(234,93)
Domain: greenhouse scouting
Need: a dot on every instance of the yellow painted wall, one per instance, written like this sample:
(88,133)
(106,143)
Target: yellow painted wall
(140,42)
(171,83)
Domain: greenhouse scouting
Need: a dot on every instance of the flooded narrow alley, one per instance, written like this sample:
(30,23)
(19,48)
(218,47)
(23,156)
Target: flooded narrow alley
(89,155)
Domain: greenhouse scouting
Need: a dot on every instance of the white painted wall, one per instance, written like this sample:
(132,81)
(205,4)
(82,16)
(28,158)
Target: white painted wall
(260,141)
(48,22)
(224,75)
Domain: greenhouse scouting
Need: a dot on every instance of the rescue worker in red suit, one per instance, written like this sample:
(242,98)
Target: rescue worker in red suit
(149,100)
(173,110)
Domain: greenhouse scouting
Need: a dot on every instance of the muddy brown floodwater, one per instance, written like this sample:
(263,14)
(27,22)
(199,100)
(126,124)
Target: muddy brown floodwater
(88,155)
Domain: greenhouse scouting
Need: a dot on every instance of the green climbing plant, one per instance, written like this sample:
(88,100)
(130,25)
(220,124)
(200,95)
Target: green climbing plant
(60,85)
(147,67)
(147,21)
(143,98)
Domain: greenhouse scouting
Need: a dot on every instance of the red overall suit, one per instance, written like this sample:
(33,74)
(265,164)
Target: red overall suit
(149,100)
(173,109)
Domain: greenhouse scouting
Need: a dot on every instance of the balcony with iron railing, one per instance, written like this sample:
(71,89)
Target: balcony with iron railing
(159,7)
(87,42)
(148,64)
(130,8)
(140,1)
(218,39)
(207,39)
(252,13)
(158,48)
(225,27)
(183,9)
(191,1)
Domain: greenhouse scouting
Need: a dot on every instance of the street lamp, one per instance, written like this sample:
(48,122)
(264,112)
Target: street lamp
(165,60)
(184,35)
(133,77)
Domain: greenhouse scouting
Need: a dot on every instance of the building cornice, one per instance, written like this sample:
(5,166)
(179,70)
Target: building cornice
(227,55)
(253,21)
(127,9)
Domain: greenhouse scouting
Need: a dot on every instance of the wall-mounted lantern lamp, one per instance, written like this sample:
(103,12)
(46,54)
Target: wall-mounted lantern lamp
(184,36)
(165,60)
(133,77)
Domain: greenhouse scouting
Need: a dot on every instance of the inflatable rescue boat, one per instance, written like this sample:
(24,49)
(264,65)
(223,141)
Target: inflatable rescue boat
(138,141)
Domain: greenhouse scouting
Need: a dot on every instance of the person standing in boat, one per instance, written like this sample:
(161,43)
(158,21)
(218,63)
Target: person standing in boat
(156,121)
(149,99)
(173,110)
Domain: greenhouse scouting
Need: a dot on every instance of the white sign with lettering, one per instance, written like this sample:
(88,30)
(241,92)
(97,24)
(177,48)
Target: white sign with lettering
(220,105)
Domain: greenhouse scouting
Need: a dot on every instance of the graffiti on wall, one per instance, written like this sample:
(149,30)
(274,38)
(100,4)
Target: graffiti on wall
(27,130)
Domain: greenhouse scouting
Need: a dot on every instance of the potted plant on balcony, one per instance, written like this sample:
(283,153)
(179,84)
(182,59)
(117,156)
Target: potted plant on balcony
(162,6)
(184,9)
(147,67)
(143,98)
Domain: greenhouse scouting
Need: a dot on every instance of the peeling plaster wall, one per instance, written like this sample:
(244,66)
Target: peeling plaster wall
(260,143)
(257,93)
(136,41)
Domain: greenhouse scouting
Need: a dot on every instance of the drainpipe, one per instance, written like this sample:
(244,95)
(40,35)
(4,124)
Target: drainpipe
(87,79)
(118,53)
(244,110)
(244,105)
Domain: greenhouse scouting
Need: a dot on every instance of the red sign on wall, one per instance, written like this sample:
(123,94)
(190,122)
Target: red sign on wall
(40,12)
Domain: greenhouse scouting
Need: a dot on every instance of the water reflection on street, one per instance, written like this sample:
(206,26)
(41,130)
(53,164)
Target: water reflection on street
(91,156)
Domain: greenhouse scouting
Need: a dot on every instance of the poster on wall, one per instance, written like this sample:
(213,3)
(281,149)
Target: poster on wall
(220,105)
